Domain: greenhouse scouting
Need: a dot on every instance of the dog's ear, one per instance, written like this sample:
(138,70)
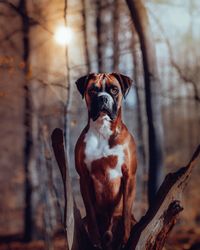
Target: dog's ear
(124,81)
(81,84)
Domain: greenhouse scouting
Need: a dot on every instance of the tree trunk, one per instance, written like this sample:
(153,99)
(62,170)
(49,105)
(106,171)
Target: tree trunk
(98,32)
(136,73)
(153,104)
(115,36)
(22,8)
(68,99)
(142,169)
(87,57)
(64,164)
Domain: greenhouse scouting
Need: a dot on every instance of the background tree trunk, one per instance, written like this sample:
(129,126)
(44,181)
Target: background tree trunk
(27,118)
(69,205)
(99,32)
(141,128)
(85,37)
(152,88)
(116,36)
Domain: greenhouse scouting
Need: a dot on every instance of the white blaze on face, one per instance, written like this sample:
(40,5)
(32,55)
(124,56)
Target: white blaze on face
(97,145)
(104,84)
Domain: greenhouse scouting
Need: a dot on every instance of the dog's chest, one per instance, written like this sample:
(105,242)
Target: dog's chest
(97,147)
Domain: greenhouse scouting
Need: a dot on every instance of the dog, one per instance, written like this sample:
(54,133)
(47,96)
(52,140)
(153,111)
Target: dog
(105,159)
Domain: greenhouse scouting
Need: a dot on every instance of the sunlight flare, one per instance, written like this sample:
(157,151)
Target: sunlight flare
(63,35)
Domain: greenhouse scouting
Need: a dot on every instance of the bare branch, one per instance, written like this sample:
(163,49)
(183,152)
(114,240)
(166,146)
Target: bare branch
(178,69)
(8,36)
(30,20)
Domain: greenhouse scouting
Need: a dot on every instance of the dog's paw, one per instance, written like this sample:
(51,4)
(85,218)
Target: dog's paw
(97,246)
(107,238)
(96,243)
(126,234)
(124,240)
(133,220)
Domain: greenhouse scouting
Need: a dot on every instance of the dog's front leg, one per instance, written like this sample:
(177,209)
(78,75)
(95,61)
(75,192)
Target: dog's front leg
(85,185)
(128,197)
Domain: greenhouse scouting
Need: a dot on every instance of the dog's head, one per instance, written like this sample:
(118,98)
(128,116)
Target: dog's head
(104,92)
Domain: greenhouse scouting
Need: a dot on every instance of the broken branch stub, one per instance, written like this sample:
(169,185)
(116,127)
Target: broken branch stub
(77,238)
(59,152)
(60,155)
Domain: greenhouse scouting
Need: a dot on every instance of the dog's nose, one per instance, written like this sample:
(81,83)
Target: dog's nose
(103,99)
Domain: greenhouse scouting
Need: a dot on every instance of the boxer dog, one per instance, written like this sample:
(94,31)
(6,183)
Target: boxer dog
(105,159)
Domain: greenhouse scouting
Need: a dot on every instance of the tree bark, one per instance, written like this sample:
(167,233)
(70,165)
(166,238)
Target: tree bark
(141,127)
(153,104)
(64,163)
(136,74)
(22,10)
(87,57)
(98,33)
(115,36)
(68,99)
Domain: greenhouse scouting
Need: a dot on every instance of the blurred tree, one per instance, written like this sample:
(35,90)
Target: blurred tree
(99,34)
(85,37)
(139,111)
(26,22)
(116,35)
(27,117)
(153,104)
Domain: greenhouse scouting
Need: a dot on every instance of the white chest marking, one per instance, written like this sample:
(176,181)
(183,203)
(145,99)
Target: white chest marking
(97,146)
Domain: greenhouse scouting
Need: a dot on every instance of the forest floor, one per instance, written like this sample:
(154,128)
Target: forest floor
(184,239)
(187,239)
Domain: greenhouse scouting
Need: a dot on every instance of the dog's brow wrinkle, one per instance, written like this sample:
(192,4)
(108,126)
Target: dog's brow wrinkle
(100,78)
(109,77)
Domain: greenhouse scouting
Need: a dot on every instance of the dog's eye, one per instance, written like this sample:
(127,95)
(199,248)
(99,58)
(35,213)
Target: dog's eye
(114,90)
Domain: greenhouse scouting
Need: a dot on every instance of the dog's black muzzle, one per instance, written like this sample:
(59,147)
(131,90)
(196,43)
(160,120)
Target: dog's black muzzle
(102,103)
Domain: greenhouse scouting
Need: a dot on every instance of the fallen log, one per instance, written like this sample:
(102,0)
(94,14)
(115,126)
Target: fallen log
(151,232)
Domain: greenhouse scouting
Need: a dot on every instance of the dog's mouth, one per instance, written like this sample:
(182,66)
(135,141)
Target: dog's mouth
(103,111)
(102,106)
